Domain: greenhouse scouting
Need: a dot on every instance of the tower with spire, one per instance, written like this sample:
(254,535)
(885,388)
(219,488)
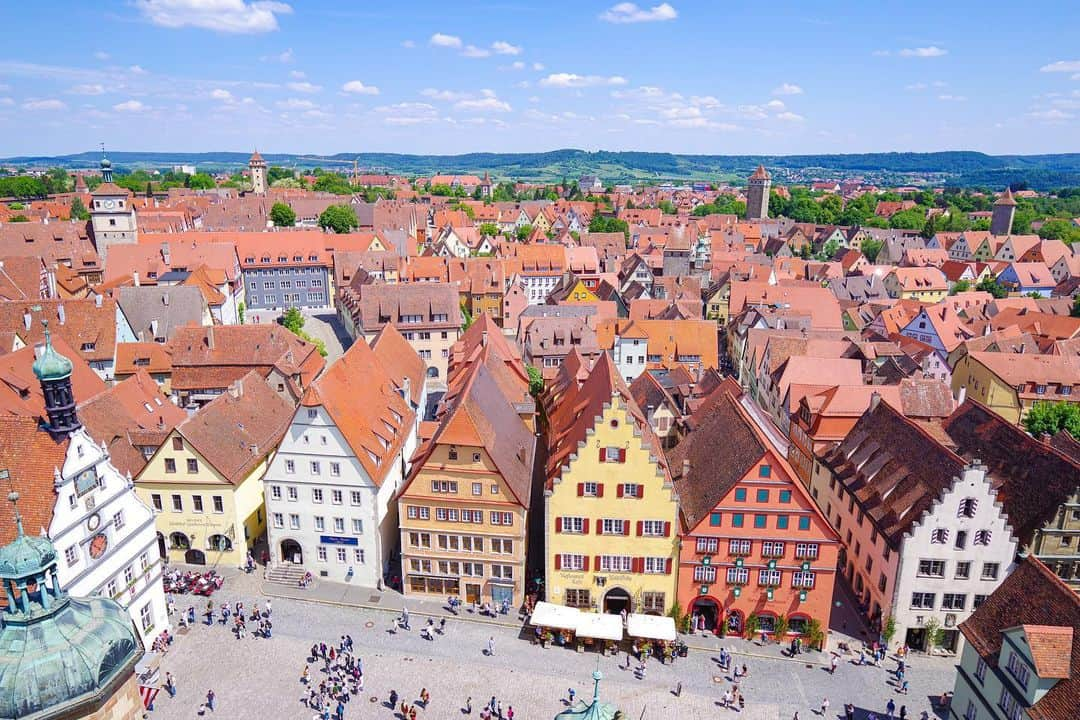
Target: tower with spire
(1001,220)
(53,371)
(257,166)
(112,216)
(757,194)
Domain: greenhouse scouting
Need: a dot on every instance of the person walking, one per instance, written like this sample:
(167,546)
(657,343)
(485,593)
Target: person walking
(468,705)
(849,711)
(903,712)
(824,707)
(491,646)
(393,698)
(170,684)
(405,618)
(833,662)
(210,698)
(510,713)
(571,693)
(890,708)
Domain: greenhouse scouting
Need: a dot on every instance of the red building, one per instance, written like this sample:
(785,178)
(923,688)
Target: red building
(753,540)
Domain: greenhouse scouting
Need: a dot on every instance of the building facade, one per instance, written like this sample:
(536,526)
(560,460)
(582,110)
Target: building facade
(757,194)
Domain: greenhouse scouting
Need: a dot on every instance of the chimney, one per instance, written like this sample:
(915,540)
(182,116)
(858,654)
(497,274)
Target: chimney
(875,399)
(97,300)
(962,395)
(60,314)
(166,256)
(135,277)
(254,449)
(165,299)
(686,467)
(28,320)
(483,339)
(406,389)
(210,337)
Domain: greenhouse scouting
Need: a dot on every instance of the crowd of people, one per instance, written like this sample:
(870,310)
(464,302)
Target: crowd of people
(343,678)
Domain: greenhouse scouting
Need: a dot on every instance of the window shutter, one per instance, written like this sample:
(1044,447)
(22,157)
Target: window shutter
(585,563)
(585,526)
(558,562)
(667,529)
(581,489)
(625,527)
(622,455)
(619,490)
(603,454)
(597,560)
(558,525)
(640,527)
(640,491)
(638,565)
(667,566)
(599,490)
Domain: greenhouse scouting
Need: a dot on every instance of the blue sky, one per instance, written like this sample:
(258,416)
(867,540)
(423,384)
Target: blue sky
(695,76)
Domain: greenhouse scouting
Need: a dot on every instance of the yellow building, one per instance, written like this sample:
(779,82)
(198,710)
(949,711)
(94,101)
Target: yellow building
(927,284)
(611,509)
(1010,383)
(204,481)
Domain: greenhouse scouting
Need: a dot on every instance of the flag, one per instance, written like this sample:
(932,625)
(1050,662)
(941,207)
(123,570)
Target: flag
(148,694)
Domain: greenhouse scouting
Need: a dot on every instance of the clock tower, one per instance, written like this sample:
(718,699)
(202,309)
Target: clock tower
(112,216)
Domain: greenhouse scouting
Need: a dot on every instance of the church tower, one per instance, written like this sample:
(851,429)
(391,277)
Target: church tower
(53,371)
(258,173)
(757,194)
(1001,221)
(112,216)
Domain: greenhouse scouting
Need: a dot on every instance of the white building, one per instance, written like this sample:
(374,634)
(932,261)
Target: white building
(331,486)
(925,541)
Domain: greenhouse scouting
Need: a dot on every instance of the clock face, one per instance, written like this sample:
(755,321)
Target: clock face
(93,522)
(109,203)
(98,545)
(85,481)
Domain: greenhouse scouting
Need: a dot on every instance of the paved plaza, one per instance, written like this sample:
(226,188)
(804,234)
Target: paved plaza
(259,678)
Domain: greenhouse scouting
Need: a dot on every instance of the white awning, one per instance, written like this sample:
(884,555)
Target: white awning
(602,626)
(653,627)
(550,615)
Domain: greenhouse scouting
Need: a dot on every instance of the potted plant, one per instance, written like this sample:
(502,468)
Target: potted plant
(752,626)
(814,635)
(780,628)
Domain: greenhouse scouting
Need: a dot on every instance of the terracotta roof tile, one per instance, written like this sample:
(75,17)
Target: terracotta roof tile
(31,456)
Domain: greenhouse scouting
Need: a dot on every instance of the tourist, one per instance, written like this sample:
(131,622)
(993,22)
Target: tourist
(833,662)
(210,697)
(491,646)
(170,684)
(890,708)
(849,711)
(468,701)
(824,707)
(393,698)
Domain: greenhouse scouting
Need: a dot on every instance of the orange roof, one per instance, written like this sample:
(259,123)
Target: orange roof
(31,456)
(1051,650)
(817,302)
(151,357)
(20,391)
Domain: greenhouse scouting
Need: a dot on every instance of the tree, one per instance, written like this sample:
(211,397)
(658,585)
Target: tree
(18,218)
(752,626)
(992,286)
(339,218)
(667,207)
(149,189)
(814,634)
(603,223)
(282,215)
(960,286)
(888,630)
(682,619)
(240,310)
(17,206)
(466,317)
(78,210)
(536,380)
(201,181)
(829,250)
(914,219)
(293,320)
(1047,418)
(488,229)
(524,232)
(780,628)
(1058,229)
(871,248)
(274,173)
(934,634)
(333,183)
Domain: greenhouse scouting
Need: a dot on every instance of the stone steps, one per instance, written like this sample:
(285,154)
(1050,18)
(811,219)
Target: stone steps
(285,574)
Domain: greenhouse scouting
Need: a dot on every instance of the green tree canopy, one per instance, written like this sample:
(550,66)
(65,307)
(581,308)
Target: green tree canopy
(913,219)
(524,232)
(78,210)
(871,248)
(339,218)
(488,229)
(605,223)
(201,181)
(992,286)
(293,320)
(1050,417)
(282,215)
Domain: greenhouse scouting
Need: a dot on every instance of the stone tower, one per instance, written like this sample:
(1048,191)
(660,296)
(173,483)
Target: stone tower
(757,194)
(258,173)
(53,371)
(1001,220)
(112,216)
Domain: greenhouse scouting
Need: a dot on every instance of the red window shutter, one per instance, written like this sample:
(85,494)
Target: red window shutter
(639,565)
(667,566)
(581,489)
(667,529)
(585,526)
(558,525)
(640,491)
(625,527)
(599,490)
(619,490)
(640,527)
(603,454)
(622,455)
(597,560)
(585,563)
(558,562)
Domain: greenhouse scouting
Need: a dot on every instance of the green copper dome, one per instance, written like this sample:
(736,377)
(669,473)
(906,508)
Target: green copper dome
(106,163)
(51,365)
(25,554)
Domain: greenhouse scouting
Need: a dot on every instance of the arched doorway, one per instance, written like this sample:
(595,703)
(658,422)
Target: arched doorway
(291,552)
(705,613)
(179,541)
(616,600)
(195,557)
(219,543)
(433,372)
(735,622)
(162,549)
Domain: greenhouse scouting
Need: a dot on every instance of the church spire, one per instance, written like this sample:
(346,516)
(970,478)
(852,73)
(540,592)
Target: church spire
(106,166)
(53,371)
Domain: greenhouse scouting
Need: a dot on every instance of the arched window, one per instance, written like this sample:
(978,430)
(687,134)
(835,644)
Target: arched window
(179,541)
(219,543)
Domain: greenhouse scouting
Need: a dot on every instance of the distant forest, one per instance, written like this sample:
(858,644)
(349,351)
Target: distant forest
(959,168)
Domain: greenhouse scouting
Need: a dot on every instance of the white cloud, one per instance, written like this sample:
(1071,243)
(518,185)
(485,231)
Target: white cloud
(881,53)
(1050,115)
(356,87)
(775,105)
(225,16)
(924,52)
(916,86)
(1070,66)
(137,70)
(407,113)
(48,104)
(628,12)
(408,44)
(790,117)
(6,102)
(443,40)
(130,106)
(572,80)
(304,87)
(445,95)
(517,65)
(485,104)
(471,51)
(501,47)
(286,56)
(296,104)
(297,74)
(88,89)
(101,55)
(537,66)
(222,95)
(787,89)
(952,98)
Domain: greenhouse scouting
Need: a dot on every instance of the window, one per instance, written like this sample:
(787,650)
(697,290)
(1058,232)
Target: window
(739,547)
(781,522)
(1009,705)
(761,521)
(740,494)
(967,508)
(358,555)
(980,670)
(961,539)
(737,520)
(652,528)
(71,555)
(146,618)
(971,713)
(294,521)
(806,551)
(316,495)
(315,467)
(502,546)
(575,525)
(354,497)
(939,536)
(932,568)
(655,565)
(177,443)
(771,548)
(502,518)
(953,601)
(630,490)
(785,496)
(990,571)
(738,576)
(339,525)
(704,573)
(578,598)
(292,493)
(110,589)
(440,514)
(312,413)
(882,582)
(922,601)
(357,526)
(170,465)
(336,497)
(320,523)
(963,570)
(977,601)
(196,503)
(177,503)
(290,467)
(762,496)
(769,577)
(335,469)
(503,572)
(192,466)
(322,553)
(478,488)
(800,579)
(614,454)
(615,563)
(568,561)
(444,486)
(982,537)
(652,602)
(714,519)
(279,520)
(219,504)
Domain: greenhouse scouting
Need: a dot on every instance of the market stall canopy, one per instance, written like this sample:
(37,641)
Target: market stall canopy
(653,627)
(549,615)
(602,626)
